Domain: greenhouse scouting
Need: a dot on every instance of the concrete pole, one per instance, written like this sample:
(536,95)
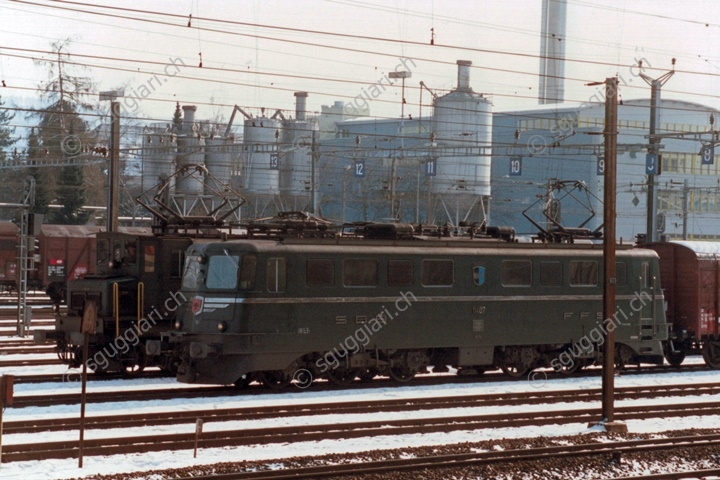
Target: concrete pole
(113,210)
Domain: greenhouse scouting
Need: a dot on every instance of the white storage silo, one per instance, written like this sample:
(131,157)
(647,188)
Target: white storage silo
(463,118)
(159,150)
(190,152)
(218,159)
(295,160)
(260,162)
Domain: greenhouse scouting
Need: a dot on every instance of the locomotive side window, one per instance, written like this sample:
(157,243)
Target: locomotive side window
(360,272)
(399,273)
(247,272)
(149,254)
(551,274)
(437,273)
(276,275)
(222,271)
(178,258)
(319,272)
(516,273)
(583,273)
(479,275)
(621,273)
(645,275)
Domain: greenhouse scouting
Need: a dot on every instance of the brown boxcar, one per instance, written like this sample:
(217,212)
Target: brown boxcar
(690,278)
(8,255)
(66,252)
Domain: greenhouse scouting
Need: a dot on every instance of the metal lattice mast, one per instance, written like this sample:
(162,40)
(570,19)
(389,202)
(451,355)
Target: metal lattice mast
(25,256)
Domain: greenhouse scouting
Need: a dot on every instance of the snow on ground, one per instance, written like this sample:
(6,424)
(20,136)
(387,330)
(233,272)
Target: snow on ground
(62,469)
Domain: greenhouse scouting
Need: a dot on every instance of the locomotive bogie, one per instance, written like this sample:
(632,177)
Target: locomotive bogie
(345,310)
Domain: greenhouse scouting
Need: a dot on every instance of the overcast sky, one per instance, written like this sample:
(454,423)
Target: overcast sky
(251,56)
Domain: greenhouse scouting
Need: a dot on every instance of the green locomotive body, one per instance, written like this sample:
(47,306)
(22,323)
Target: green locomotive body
(274,310)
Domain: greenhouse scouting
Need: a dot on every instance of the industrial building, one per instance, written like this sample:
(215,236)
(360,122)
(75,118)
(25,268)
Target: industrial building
(534,148)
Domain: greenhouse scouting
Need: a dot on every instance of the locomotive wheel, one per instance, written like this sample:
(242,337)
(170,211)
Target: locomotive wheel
(624,356)
(518,361)
(711,354)
(577,365)
(515,371)
(676,358)
(243,382)
(341,375)
(366,375)
(401,374)
(135,366)
(275,379)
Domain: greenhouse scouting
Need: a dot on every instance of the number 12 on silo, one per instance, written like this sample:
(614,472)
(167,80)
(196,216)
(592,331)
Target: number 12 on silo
(360,168)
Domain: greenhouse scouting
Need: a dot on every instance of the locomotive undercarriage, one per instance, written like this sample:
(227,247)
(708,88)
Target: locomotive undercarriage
(686,343)
(201,363)
(104,357)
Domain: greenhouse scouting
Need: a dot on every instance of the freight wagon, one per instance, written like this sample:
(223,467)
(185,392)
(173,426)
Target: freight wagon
(690,277)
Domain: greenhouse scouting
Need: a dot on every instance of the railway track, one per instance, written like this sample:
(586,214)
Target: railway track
(30,362)
(344,408)
(345,431)
(21,401)
(74,376)
(476,459)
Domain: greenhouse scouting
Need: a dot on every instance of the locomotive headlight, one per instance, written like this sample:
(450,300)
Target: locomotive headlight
(178,324)
(222,326)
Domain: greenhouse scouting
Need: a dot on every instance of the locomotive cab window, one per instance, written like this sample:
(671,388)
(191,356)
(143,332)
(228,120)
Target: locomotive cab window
(399,273)
(319,272)
(131,252)
(437,273)
(222,272)
(551,274)
(192,274)
(583,273)
(516,273)
(149,258)
(178,258)
(360,272)
(276,275)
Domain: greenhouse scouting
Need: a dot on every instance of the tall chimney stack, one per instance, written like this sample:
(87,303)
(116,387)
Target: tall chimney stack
(552,52)
(188,117)
(463,82)
(300,105)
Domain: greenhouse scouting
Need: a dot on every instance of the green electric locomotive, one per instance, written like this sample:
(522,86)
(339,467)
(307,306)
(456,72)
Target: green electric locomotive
(394,304)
